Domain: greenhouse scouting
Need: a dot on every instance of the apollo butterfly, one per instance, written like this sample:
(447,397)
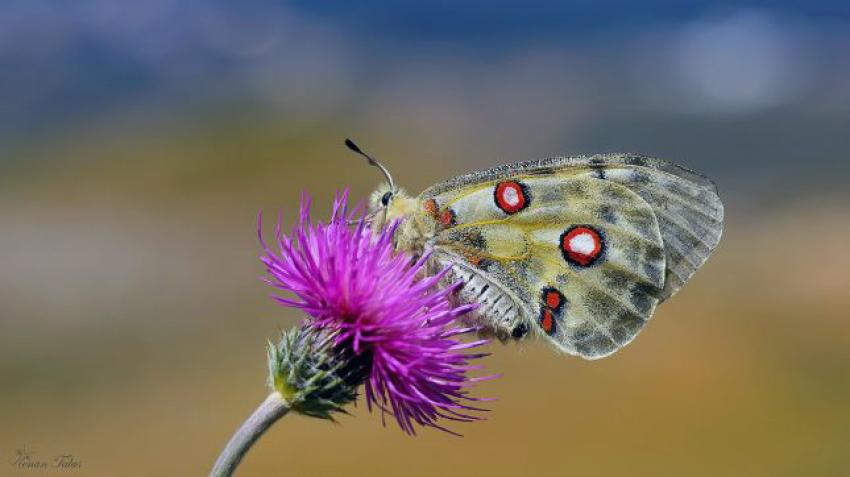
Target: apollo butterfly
(578,250)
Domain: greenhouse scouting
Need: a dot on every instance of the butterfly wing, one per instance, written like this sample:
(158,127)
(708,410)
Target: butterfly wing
(584,248)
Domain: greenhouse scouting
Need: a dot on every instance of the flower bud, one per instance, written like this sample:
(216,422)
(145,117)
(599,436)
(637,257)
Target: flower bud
(315,377)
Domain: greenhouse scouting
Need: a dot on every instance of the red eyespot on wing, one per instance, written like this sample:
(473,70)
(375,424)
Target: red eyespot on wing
(547,321)
(511,196)
(430,207)
(582,245)
(553,298)
(448,218)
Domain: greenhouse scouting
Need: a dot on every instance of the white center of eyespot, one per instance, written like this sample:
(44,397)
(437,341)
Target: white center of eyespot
(583,244)
(510,196)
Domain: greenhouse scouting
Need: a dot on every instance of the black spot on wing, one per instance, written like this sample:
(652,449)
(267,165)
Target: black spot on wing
(468,238)
(597,168)
(519,331)
(476,239)
(485,264)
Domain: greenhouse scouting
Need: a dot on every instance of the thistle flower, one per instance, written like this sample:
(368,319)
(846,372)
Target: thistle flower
(380,308)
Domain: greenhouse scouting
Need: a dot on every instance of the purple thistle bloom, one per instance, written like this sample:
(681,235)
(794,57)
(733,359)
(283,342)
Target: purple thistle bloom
(384,311)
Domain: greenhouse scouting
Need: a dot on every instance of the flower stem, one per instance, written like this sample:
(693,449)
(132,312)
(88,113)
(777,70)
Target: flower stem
(272,409)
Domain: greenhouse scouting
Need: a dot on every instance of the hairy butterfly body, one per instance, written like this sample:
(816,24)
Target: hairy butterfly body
(579,250)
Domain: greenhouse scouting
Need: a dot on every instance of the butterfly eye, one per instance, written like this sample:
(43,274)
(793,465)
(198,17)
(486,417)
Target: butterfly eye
(385,199)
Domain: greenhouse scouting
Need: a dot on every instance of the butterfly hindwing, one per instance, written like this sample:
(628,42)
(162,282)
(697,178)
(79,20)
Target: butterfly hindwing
(582,255)
(584,248)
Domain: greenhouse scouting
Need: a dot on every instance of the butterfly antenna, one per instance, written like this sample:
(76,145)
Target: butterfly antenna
(372,161)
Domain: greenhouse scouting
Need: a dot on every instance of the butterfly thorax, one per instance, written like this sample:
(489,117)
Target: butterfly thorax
(413,230)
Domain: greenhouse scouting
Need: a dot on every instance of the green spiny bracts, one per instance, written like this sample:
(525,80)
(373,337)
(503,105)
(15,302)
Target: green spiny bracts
(313,375)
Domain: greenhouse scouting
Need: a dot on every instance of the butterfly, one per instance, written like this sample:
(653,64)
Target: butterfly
(579,250)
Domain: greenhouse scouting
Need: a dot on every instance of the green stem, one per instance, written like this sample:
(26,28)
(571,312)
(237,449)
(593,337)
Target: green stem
(272,409)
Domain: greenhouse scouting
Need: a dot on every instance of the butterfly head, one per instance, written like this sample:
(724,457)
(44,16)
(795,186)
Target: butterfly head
(388,204)
(381,198)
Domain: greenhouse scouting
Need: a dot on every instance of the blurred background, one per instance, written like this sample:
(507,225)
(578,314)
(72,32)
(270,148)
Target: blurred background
(138,140)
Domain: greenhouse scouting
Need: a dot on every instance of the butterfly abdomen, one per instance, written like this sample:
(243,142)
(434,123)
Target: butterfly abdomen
(499,313)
